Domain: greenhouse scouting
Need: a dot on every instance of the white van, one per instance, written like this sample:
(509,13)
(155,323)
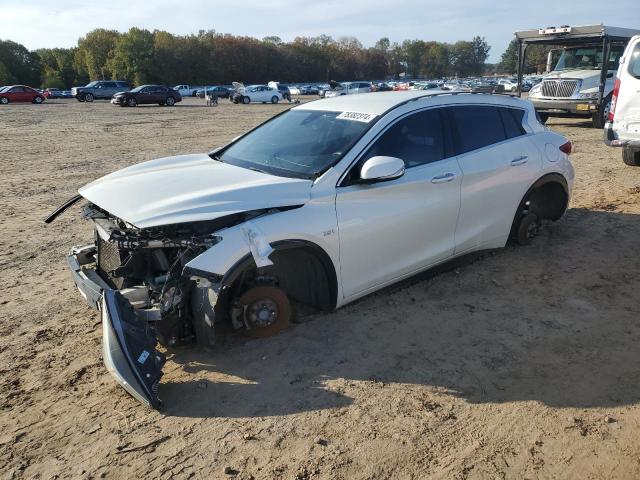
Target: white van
(623,126)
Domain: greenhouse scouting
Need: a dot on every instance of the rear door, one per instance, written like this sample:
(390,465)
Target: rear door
(499,162)
(627,106)
(391,229)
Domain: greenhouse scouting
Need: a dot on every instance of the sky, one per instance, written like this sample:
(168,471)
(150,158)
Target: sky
(59,23)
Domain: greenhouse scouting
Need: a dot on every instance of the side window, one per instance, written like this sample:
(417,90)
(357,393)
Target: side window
(109,85)
(17,90)
(512,120)
(475,126)
(634,61)
(416,139)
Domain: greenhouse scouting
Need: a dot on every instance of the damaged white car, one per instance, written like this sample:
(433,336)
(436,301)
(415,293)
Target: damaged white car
(319,206)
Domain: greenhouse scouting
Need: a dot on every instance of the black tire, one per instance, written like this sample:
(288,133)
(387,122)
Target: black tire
(631,157)
(38,100)
(88,97)
(267,304)
(274,99)
(131,102)
(195,93)
(4,100)
(543,117)
(80,98)
(528,228)
(170,102)
(599,118)
(246,100)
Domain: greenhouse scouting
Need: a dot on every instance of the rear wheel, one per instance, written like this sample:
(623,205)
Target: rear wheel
(38,100)
(246,100)
(4,100)
(631,157)
(528,228)
(599,118)
(265,311)
(88,97)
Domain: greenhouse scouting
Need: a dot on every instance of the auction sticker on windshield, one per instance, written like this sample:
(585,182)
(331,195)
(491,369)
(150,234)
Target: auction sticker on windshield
(357,116)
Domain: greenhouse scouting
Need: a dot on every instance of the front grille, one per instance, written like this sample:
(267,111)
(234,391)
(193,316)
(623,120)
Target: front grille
(108,260)
(559,88)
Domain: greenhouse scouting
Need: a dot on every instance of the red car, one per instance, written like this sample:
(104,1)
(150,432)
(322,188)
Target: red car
(20,93)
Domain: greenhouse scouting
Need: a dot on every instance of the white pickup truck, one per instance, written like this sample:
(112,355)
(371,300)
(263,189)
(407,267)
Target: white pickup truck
(580,84)
(187,90)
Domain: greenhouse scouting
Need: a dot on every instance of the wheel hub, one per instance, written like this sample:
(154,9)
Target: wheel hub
(262,313)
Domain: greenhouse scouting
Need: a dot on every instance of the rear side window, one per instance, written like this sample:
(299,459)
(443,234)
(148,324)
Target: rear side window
(634,61)
(475,126)
(512,120)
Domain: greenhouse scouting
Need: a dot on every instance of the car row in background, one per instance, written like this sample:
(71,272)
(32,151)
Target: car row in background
(20,93)
(147,95)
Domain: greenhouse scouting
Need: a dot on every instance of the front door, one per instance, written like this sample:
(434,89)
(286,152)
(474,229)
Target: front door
(391,229)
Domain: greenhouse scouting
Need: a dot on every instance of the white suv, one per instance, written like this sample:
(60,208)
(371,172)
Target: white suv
(623,126)
(349,88)
(320,205)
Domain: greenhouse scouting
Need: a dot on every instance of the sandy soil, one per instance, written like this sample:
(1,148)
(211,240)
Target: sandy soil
(518,364)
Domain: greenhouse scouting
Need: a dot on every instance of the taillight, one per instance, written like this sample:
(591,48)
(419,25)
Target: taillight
(566,147)
(614,99)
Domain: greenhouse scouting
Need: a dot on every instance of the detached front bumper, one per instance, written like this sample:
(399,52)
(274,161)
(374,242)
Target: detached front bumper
(565,106)
(128,344)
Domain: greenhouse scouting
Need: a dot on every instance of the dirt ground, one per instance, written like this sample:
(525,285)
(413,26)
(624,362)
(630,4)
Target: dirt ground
(518,364)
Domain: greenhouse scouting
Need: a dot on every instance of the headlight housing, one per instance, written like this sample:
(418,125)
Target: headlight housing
(589,95)
(535,90)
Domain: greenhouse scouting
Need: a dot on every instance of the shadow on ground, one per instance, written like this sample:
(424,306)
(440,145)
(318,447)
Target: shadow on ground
(556,322)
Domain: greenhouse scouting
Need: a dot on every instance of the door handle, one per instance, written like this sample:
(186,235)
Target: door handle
(519,161)
(447,177)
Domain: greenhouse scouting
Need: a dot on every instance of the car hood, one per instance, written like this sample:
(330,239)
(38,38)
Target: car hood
(576,74)
(189,188)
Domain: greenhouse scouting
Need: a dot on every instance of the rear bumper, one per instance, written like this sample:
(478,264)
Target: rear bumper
(128,344)
(565,106)
(612,139)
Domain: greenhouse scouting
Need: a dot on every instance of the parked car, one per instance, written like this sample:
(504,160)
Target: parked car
(283,89)
(294,90)
(218,91)
(52,93)
(146,95)
(508,84)
(188,90)
(623,123)
(257,93)
(309,90)
(306,207)
(348,88)
(101,89)
(383,87)
(20,93)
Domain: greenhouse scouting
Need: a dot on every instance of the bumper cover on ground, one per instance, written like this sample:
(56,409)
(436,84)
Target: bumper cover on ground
(128,344)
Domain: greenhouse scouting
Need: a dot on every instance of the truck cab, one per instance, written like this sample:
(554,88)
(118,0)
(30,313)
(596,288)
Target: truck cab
(580,83)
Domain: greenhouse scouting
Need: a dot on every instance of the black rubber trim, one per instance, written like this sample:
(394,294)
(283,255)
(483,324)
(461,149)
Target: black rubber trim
(62,208)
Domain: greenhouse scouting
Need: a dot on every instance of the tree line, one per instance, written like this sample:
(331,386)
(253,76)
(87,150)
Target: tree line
(141,56)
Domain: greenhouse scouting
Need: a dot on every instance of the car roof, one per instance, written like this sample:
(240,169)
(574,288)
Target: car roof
(378,103)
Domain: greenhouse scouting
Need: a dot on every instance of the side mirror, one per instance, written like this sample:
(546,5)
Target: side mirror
(381,169)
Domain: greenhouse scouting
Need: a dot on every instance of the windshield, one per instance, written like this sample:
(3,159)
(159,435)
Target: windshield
(588,58)
(297,143)
(137,89)
(91,84)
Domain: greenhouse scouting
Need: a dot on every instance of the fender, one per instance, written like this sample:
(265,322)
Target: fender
(554,177)
(281,245)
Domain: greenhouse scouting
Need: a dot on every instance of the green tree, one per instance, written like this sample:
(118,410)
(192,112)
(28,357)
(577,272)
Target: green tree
(96,47)
(22,65)
(132,57)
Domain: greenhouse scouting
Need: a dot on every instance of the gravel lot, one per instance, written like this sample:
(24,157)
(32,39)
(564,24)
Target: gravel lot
(522,363)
